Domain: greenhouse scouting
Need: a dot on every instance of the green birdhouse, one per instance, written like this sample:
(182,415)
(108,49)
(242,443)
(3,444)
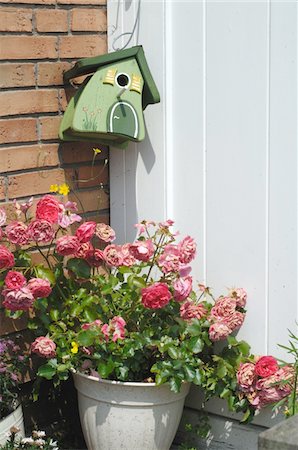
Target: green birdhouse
(108,106)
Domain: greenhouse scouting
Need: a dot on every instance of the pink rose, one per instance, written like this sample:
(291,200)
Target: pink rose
(169,260)
(189,310)
(95,257)
(44,347)
(112,255)
(142,250)
(105,329)
(246,375)
(17,233)
(14,280)
(127,259)
(118,328)
(240,295)
(105,232)
(96,323)
(6,258)
(187,248)
(41,231)
(84,249)
(235,320)
(48,208)
(39,287)
(182,288)
(18,300)
(224,307)
(219,331)
(86,231)
(156,296)
(1,233)
(2,217)
(67,245)
(266,366)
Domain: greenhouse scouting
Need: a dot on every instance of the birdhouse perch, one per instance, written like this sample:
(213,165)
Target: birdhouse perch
(108,106)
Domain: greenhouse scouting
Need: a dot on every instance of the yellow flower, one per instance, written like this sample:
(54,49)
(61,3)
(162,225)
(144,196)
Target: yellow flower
(74,347)
(54,188)
(64,189)
(96,151)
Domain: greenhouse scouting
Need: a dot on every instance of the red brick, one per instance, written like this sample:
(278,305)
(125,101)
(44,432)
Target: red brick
(51,73)
(51,20)
(77,152)
(89,20)
(2,188)
(28,157)
(18,130)
(15,19)
(17,75)
(49,127)
(33,183)
(82,2)
(82,46)
(89,201)
(87,176)
(23,102)
(38,2)
(28,47)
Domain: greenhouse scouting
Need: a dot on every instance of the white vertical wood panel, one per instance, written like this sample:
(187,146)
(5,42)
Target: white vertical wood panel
(283,175)
(236,155)
(187,126)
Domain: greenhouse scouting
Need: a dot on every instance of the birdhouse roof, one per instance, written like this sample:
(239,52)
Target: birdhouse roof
(89,65)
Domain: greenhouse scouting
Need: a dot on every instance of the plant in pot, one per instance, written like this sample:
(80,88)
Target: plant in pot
(12,364)
(124,319)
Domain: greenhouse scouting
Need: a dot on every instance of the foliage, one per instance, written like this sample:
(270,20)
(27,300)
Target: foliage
(291,402)
(122,312)
(12,363)
(37,440)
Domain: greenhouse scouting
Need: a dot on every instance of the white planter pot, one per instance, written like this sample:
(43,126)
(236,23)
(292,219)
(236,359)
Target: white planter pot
(14,419)
(128,416)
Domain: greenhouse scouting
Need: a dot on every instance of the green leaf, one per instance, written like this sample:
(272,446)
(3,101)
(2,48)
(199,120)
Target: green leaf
(175,384)
(45,273)
(173,352)
(195,328)
(46,371)
(54,313)
(196,344)
(189,373)
(246,417)
(105,369)
(79,267)
(244,347)
(197,378)
(221,371)
(86,337)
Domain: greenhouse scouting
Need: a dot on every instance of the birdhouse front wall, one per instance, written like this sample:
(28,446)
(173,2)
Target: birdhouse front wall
(111,102)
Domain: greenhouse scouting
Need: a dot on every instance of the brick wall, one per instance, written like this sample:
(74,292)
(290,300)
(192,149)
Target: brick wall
(39,40)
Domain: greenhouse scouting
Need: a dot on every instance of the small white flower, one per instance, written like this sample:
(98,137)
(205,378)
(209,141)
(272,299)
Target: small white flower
(27,441)
(39,442)
(39,434)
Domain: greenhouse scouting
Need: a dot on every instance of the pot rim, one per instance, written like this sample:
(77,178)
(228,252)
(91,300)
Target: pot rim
(115,382)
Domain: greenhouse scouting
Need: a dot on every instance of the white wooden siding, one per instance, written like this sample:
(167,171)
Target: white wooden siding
(220,157)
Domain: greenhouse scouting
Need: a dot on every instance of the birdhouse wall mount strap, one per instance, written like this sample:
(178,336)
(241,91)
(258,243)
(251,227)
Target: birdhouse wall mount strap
(108,106)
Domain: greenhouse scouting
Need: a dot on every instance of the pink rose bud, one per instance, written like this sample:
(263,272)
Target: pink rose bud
(39,287)
(156,296)
(48,208)
(44,347)
(14,280)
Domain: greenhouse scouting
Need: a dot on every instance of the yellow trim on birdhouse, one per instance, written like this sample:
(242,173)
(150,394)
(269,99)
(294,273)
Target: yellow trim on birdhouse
(136,84)
(110,77)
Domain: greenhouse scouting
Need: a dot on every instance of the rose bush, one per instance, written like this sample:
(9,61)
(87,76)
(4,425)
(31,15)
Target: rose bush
(124,312)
